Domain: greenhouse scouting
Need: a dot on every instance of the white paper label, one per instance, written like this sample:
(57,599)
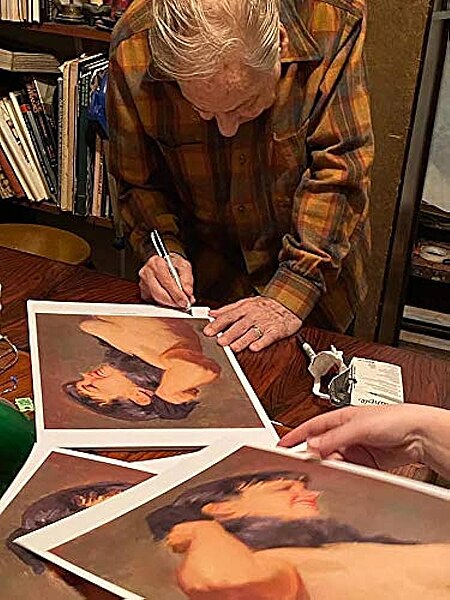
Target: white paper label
(375,383)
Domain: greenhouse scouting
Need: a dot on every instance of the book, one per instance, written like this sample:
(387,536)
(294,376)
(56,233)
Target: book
(98,177)
(13,162)
(6,190)
(67,142)
(85,142)
(25,117)
(11,176)
(18,148)
(49,173)
(34,62)
(45,126)
(59,137)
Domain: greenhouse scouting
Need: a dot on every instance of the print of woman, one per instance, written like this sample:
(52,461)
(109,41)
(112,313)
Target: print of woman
(263,536)
(153,367)
(56,506)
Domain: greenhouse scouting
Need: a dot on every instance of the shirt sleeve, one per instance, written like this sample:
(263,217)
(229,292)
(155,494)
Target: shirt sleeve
(330,208)
(145,197)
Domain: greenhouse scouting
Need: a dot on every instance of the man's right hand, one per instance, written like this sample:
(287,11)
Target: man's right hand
(157,284)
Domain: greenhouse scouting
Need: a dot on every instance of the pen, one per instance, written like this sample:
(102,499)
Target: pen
(162,251)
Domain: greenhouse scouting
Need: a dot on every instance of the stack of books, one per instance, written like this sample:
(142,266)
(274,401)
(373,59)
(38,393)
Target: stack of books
(49,148)
(27,144)
(22,11)
(31,62)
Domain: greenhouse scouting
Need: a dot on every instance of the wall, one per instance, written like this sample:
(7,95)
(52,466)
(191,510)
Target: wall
(396,32)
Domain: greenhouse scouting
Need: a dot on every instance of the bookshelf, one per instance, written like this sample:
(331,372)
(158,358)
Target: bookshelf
(82,32)
(52,209)
(65,41)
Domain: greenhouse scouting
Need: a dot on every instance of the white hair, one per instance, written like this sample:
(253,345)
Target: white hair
(190,38)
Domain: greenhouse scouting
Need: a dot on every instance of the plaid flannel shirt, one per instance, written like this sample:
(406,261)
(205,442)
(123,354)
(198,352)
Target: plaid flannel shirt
(283,205)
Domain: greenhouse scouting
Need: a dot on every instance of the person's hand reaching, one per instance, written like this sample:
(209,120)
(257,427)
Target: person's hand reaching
(382,437)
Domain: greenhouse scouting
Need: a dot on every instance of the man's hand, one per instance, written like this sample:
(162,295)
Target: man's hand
(381,437)
(252,323)
(157,284)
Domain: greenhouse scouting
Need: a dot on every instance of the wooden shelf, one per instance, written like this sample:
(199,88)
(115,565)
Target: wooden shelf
(75,31)
(429,270)
(55,210)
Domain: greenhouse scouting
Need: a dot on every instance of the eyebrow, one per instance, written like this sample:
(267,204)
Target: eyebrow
(244,103)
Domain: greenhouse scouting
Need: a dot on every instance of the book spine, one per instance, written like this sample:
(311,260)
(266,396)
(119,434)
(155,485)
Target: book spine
(80,207)
(69,148)
(98,176)
(6,190)
(12,178)
(16,147)
(60,137)
(17,118)
(43,10)
(45,130)
(36,140)
(12,153)
(105,199)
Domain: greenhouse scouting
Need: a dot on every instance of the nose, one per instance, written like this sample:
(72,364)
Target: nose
(311,495)
(89,378)
(227,124)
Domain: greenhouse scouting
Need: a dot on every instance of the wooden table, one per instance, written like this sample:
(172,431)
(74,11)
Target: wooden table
(278,374)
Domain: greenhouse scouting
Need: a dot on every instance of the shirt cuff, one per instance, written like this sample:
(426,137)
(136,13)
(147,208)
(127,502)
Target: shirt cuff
(293,291)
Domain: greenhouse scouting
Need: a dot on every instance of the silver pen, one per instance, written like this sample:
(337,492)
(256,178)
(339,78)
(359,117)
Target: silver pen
(162,251)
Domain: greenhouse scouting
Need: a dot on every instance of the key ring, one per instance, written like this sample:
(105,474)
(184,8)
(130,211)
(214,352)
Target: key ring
(12,352)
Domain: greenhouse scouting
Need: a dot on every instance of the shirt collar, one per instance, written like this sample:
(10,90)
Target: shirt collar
(302,45)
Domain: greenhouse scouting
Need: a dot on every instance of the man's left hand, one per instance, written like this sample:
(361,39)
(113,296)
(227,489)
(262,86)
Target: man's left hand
(252,323)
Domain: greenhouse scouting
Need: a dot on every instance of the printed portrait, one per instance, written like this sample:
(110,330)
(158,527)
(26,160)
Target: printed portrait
(56,506)
(56,485)
(258,525)
(109,371)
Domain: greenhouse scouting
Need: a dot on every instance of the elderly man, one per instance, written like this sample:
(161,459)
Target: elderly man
(241,130)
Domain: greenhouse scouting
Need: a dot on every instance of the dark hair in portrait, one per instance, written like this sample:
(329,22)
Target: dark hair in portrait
(256,532)
(143,375)
(56,506)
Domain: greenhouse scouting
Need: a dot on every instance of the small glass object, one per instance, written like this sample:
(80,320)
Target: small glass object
(9,354)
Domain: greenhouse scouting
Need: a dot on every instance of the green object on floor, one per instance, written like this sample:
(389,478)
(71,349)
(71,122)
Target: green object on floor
(17,437)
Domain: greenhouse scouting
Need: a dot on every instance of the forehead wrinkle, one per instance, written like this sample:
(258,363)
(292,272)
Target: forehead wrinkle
(233,85)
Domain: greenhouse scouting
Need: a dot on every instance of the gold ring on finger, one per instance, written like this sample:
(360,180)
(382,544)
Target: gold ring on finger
(259,332)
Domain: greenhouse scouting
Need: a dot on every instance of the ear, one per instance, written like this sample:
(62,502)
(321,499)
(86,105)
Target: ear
(142,396)
(284,42)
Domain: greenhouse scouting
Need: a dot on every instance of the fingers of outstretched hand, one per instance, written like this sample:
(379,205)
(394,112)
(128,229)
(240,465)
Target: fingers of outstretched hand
(317,426)
(253,322)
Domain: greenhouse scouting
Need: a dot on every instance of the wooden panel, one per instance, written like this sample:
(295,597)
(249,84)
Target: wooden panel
(395,40)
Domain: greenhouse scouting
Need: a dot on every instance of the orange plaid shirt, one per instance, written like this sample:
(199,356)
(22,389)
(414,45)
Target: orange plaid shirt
(281,208)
